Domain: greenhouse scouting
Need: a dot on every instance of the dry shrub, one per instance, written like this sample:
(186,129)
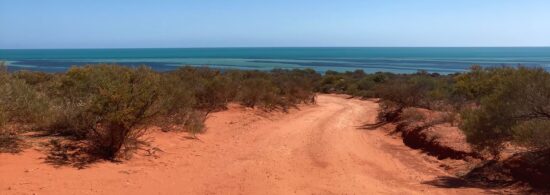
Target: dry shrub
(449,117)
(106,104)
(533,133)
(195,123)
(412,115)
(389,112)
(258,92)
(19,102)
(514,105)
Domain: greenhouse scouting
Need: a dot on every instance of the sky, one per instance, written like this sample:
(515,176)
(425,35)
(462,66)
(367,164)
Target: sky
(275,23)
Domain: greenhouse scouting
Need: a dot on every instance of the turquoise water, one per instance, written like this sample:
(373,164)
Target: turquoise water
(398,60)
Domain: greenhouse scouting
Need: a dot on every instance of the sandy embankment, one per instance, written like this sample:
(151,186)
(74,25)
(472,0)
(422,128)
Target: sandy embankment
(316,150)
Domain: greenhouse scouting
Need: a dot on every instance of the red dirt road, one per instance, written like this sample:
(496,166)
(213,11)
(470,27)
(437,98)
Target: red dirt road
(315,150)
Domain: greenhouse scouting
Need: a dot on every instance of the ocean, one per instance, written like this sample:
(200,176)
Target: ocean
(370,59)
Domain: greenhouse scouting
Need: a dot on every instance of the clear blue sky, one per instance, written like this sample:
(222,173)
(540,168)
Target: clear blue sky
(259,23)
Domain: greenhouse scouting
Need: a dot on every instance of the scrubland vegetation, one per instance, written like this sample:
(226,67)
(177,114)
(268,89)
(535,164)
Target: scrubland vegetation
(111,106)
(500,110)
(495,105)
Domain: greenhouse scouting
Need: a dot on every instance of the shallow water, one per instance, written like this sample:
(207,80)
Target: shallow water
(398,60)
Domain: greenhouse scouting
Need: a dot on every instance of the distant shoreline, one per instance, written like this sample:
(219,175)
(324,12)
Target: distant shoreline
(443,60)
(262,47)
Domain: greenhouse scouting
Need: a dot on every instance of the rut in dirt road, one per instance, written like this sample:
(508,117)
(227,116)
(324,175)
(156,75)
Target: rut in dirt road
(315,150)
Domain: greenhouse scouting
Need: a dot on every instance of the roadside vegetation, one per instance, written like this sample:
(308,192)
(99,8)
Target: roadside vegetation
(500,110)
(494,106)
(110,107)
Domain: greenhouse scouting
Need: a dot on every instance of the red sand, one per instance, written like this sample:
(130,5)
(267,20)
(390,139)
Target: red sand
(315,150)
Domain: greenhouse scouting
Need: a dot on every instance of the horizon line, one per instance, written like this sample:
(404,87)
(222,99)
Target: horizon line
(262,47)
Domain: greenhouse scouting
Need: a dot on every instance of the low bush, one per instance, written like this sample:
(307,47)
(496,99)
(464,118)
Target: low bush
(389,112)
(19,102)
(533,133)
(195,122)
(411,115)
(258,92)
(106,104)
(21,108)
(295,86)
(516,109)
(492,106)
(40,80)
(188,95)
(276,89)
(356,83)
(175,103)
(419,90)
(109,105)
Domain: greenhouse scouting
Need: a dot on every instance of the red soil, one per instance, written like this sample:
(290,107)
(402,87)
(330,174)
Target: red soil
(318,149)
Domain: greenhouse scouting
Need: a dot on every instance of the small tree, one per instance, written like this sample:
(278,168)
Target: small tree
(112,102)
(517,108)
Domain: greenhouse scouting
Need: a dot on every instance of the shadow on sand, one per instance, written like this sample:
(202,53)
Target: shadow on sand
(70,153)
(11,144)
(372,126)
(497,175)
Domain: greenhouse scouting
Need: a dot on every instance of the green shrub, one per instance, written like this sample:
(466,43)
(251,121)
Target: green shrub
(411,115)
(518,103)
(533,133)
(420,90)
(176,101)
(295,86)
(19,102)
(19,105)
(333,82)
(110,103)
(357,83)
(34,78)
(210,88)
(257,92)
(389,112)
(478,82)
(276,89)
(365,87)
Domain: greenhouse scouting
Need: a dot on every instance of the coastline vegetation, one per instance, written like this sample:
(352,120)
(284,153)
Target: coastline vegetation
(504,113)
(494,106)
(111,106)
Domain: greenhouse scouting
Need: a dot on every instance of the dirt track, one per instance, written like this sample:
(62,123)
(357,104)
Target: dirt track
(315,150)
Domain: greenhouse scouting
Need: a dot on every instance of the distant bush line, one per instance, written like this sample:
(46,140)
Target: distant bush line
(110,106)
